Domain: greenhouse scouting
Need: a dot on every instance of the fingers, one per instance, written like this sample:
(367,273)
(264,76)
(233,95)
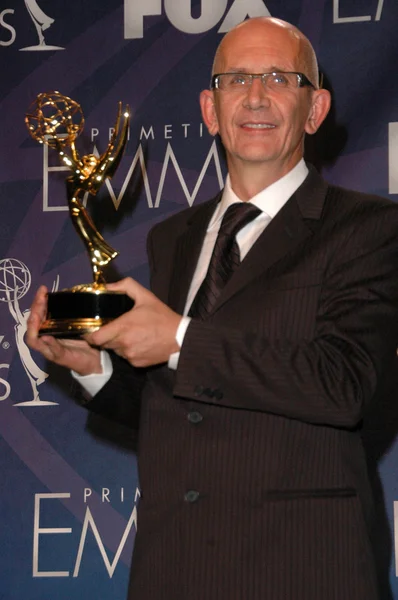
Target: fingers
(39,305)
(132,288)
(76,355)
(37,315)
(143,336)
(50,348)
(108,335)
(105,335)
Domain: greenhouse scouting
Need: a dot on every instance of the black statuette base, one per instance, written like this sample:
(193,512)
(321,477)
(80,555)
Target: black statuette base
(72,314)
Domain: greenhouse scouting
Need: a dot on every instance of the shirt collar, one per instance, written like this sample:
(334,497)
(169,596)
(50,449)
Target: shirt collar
(270,200)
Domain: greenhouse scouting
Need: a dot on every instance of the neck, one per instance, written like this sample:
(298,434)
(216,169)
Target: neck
(251,179)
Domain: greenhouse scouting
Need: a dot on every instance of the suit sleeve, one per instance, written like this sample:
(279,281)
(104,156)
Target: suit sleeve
(328,379)
(120,398)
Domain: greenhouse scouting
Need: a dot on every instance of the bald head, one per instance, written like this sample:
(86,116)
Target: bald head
(270,33)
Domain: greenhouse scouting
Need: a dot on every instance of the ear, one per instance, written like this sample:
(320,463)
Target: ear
(208,108)
(321,101)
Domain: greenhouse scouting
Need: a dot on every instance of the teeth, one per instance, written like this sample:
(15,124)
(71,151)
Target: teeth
(259,126)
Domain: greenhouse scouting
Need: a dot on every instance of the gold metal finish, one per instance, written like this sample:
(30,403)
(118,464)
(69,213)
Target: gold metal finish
(77,327)
(96,288)
(56,120)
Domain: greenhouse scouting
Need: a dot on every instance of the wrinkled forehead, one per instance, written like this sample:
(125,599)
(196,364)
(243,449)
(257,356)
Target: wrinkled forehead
(258,48)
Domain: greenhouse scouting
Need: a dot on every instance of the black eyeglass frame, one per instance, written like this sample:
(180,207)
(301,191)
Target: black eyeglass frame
(302,80)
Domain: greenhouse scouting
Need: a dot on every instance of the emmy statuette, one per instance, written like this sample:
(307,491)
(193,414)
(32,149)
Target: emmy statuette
(56,120)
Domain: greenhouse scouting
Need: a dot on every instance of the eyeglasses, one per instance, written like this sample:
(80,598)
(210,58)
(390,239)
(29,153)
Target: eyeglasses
(276,81)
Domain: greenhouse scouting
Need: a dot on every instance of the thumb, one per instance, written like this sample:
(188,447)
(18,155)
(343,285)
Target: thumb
(129,286)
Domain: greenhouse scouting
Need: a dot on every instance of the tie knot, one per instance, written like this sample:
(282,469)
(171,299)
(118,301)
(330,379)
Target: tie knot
(237,216)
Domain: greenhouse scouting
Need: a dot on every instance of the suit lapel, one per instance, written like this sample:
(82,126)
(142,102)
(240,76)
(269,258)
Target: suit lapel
(292,224)
(187,251)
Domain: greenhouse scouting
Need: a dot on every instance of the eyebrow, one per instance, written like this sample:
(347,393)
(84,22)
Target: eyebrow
(271,69)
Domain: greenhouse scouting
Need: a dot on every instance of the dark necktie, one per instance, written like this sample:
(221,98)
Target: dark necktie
(225,258)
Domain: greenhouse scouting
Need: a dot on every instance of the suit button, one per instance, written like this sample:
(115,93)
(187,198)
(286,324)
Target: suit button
(195,417)
(198,390)
(191,496)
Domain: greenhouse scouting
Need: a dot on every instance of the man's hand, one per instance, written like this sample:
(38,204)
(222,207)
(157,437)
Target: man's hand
(145,335)
(73,354)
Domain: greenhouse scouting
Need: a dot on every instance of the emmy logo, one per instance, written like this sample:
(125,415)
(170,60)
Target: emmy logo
(15,280)
(41,22)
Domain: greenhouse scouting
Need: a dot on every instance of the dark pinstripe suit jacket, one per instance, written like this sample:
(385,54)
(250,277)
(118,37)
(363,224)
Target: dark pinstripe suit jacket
(254,483)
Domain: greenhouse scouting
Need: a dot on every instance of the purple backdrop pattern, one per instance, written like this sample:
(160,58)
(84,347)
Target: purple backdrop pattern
(69,481)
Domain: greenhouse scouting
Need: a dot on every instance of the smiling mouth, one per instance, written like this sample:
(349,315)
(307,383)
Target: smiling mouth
(258,126)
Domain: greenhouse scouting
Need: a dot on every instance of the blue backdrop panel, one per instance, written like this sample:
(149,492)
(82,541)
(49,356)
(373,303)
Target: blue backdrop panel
(69,482)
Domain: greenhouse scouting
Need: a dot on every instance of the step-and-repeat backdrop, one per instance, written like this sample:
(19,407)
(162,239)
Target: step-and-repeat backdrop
(69,485)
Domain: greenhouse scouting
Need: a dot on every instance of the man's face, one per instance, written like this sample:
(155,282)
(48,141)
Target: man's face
(258,125)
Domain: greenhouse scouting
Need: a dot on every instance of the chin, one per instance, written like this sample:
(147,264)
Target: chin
(256,152)
(257,156)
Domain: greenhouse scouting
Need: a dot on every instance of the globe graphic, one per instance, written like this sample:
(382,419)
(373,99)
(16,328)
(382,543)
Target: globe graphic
(15,279)
(54,119)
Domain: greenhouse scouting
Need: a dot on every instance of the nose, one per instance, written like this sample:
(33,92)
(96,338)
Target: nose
(257,95)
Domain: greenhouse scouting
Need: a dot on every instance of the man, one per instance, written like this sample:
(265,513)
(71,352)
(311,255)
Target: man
(254,484)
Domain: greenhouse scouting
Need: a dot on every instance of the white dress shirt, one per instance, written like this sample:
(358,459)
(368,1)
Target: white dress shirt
(269,201)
